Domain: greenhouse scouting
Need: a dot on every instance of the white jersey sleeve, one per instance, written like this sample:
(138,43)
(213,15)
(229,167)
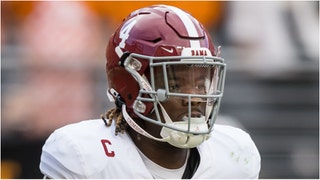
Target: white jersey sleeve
(229,153)
(90,150)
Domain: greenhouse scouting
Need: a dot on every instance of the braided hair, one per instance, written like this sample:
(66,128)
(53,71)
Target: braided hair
(115,115)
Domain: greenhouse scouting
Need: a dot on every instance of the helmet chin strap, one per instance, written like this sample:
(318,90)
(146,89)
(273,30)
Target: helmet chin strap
(182,139)
(136,127)
(173,137)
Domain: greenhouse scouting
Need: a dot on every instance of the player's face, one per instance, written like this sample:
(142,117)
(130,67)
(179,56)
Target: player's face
(185,80)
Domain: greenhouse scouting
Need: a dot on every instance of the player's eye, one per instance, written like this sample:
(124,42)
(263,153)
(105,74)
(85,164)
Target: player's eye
(174,87)
(200,86)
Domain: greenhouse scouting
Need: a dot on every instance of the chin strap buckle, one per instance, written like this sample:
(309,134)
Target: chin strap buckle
(115,97)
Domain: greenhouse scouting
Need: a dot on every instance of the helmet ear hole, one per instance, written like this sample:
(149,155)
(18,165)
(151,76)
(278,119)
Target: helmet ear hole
(129,96)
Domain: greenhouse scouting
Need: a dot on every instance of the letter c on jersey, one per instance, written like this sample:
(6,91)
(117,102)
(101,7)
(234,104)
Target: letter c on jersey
(104,144)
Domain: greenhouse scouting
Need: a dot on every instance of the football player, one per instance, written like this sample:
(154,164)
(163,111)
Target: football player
(166,79)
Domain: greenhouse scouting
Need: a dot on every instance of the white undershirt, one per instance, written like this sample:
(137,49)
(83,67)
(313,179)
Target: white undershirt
(160,172)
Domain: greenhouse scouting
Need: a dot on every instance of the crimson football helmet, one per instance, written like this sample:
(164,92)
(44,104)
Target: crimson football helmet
(158,54)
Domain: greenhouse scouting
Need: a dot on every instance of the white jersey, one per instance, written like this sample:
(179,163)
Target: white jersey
(91,150)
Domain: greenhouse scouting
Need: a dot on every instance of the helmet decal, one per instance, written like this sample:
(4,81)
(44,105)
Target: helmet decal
(124,35)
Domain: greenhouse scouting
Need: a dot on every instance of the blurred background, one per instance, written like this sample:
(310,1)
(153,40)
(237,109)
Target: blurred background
(53,74)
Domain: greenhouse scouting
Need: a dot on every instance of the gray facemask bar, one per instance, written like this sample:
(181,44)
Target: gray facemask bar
(132,65)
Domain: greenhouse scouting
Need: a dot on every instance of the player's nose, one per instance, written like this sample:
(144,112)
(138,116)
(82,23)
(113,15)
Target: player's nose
(195,101)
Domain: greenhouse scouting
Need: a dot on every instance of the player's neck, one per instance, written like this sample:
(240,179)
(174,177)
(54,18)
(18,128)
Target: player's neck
(161,153)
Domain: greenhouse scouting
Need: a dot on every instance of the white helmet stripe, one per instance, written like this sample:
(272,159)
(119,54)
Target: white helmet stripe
(188,23)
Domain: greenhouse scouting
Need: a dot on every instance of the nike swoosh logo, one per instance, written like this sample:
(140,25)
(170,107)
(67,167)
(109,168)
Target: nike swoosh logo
(168,50)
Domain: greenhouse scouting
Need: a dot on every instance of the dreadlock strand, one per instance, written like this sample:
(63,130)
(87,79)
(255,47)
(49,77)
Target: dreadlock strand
(118,120)
(104,119)
(108,115)
(115,115)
